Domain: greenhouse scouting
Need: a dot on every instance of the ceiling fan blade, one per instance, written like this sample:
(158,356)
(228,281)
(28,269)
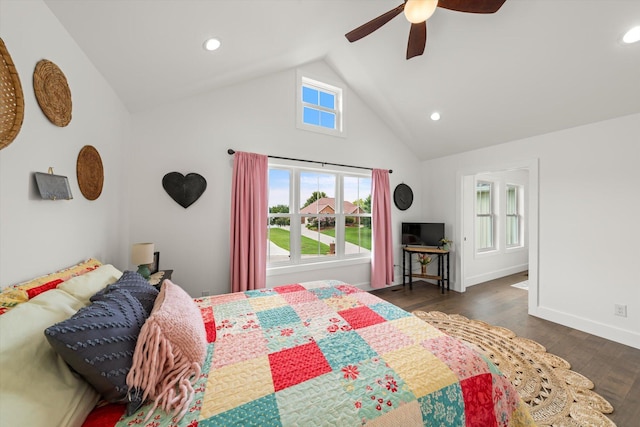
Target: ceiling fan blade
(374,24)
(472,6)
(417,39)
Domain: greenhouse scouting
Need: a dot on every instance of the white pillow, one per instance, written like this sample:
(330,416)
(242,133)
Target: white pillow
(85,285)
(38,388)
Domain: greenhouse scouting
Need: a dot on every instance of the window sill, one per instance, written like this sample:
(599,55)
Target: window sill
(321,265)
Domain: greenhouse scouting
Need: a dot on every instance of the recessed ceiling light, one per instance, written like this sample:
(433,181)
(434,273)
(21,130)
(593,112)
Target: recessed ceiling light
(632,36)
(211,44)
(435,116)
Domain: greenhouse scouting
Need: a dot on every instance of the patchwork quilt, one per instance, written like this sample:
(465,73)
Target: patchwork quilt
(331,354)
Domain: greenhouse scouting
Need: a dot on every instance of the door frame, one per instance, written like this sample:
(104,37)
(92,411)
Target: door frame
(532,165)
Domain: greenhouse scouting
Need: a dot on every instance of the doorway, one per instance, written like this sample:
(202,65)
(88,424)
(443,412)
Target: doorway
(474,266)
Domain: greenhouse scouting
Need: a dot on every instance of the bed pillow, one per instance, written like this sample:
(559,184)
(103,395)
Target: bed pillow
(83,287)
(170,352)
(99,340)
(22,292)
(36,387)
(136,285)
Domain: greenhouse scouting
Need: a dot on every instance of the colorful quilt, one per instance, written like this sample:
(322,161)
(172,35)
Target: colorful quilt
(337,356)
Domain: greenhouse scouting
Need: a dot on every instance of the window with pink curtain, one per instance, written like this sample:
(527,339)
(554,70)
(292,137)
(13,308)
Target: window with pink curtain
(249,222)
(382,253)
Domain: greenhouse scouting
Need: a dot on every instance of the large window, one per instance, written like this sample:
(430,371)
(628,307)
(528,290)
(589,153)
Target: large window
(514,216)
(320,106)
(485,218)
(316,215)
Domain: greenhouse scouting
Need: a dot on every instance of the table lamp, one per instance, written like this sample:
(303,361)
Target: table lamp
(142,255)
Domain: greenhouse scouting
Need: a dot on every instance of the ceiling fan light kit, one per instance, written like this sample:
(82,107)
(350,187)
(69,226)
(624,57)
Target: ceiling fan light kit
(417,12)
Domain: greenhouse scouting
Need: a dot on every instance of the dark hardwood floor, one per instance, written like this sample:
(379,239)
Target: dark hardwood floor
(614,368)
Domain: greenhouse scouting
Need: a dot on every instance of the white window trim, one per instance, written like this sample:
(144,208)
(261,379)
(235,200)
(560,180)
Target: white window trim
(329,86)
(295,262)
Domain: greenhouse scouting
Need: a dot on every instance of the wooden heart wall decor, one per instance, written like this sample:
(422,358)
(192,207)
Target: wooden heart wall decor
(185,190)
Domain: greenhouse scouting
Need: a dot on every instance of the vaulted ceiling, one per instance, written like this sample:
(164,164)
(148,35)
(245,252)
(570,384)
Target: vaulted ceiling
(535,66)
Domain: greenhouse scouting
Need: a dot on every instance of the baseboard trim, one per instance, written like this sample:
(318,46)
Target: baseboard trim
(496,274)
(609,332)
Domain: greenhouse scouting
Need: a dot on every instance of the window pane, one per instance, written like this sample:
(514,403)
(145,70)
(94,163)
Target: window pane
(310,96)
(278,236)
(484,232)
(311,116)
(317,237)
(327,120)
(278,243)
(327,100)
(513,234)
(357,235)
(483,198)
(357,190)
(317,193)
(279,185)
(512,200)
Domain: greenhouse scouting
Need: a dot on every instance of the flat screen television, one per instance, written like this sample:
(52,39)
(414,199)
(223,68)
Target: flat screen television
(422,233)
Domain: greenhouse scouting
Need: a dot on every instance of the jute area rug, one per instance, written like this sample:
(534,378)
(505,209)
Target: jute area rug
(556,395)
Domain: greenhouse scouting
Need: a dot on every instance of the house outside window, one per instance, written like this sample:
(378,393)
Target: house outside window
(485,217)
(320,106)
(513,216)
(316,216)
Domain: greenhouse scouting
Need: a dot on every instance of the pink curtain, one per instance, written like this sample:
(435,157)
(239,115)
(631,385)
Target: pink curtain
(249,207)
(382,253)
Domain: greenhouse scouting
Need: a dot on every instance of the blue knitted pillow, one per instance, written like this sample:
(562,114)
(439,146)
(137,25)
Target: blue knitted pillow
(98,341)
(137,286)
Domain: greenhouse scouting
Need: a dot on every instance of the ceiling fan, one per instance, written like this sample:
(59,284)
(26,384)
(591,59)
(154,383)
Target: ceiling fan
(417,12)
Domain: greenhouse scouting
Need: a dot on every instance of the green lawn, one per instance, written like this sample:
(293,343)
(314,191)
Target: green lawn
(351,236)
(280,238)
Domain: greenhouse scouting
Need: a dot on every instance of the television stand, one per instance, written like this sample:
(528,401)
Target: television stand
(443,270)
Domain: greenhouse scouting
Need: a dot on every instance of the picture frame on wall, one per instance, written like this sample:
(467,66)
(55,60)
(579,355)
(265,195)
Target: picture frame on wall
(155,265)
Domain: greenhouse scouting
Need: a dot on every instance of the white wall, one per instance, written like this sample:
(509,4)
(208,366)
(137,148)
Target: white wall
(483,266)
(257,116)
(588,204)
(39,236)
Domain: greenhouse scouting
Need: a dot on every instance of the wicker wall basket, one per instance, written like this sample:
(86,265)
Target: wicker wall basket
(90,172)
(52,92)
(11,99)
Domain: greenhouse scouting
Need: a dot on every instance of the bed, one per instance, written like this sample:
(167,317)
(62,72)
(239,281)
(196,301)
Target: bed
(309,354)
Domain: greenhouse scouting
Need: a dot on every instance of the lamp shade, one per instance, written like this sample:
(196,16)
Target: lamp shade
(142,253)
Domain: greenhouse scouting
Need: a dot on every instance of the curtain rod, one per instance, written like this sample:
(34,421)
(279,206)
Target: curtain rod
(231,151)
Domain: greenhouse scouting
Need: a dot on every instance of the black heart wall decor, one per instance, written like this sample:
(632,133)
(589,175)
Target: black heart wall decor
(184,189)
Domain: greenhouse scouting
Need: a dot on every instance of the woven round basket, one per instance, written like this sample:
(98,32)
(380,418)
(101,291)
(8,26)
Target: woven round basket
(52,92)
(90,172)
(11,99)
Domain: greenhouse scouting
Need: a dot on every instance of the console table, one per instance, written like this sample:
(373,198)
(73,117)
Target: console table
(443,270)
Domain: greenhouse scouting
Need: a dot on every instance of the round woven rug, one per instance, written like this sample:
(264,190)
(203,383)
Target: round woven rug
(556,395)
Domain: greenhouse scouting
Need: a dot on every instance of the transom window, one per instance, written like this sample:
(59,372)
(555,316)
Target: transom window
(319,106)
(317,216)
